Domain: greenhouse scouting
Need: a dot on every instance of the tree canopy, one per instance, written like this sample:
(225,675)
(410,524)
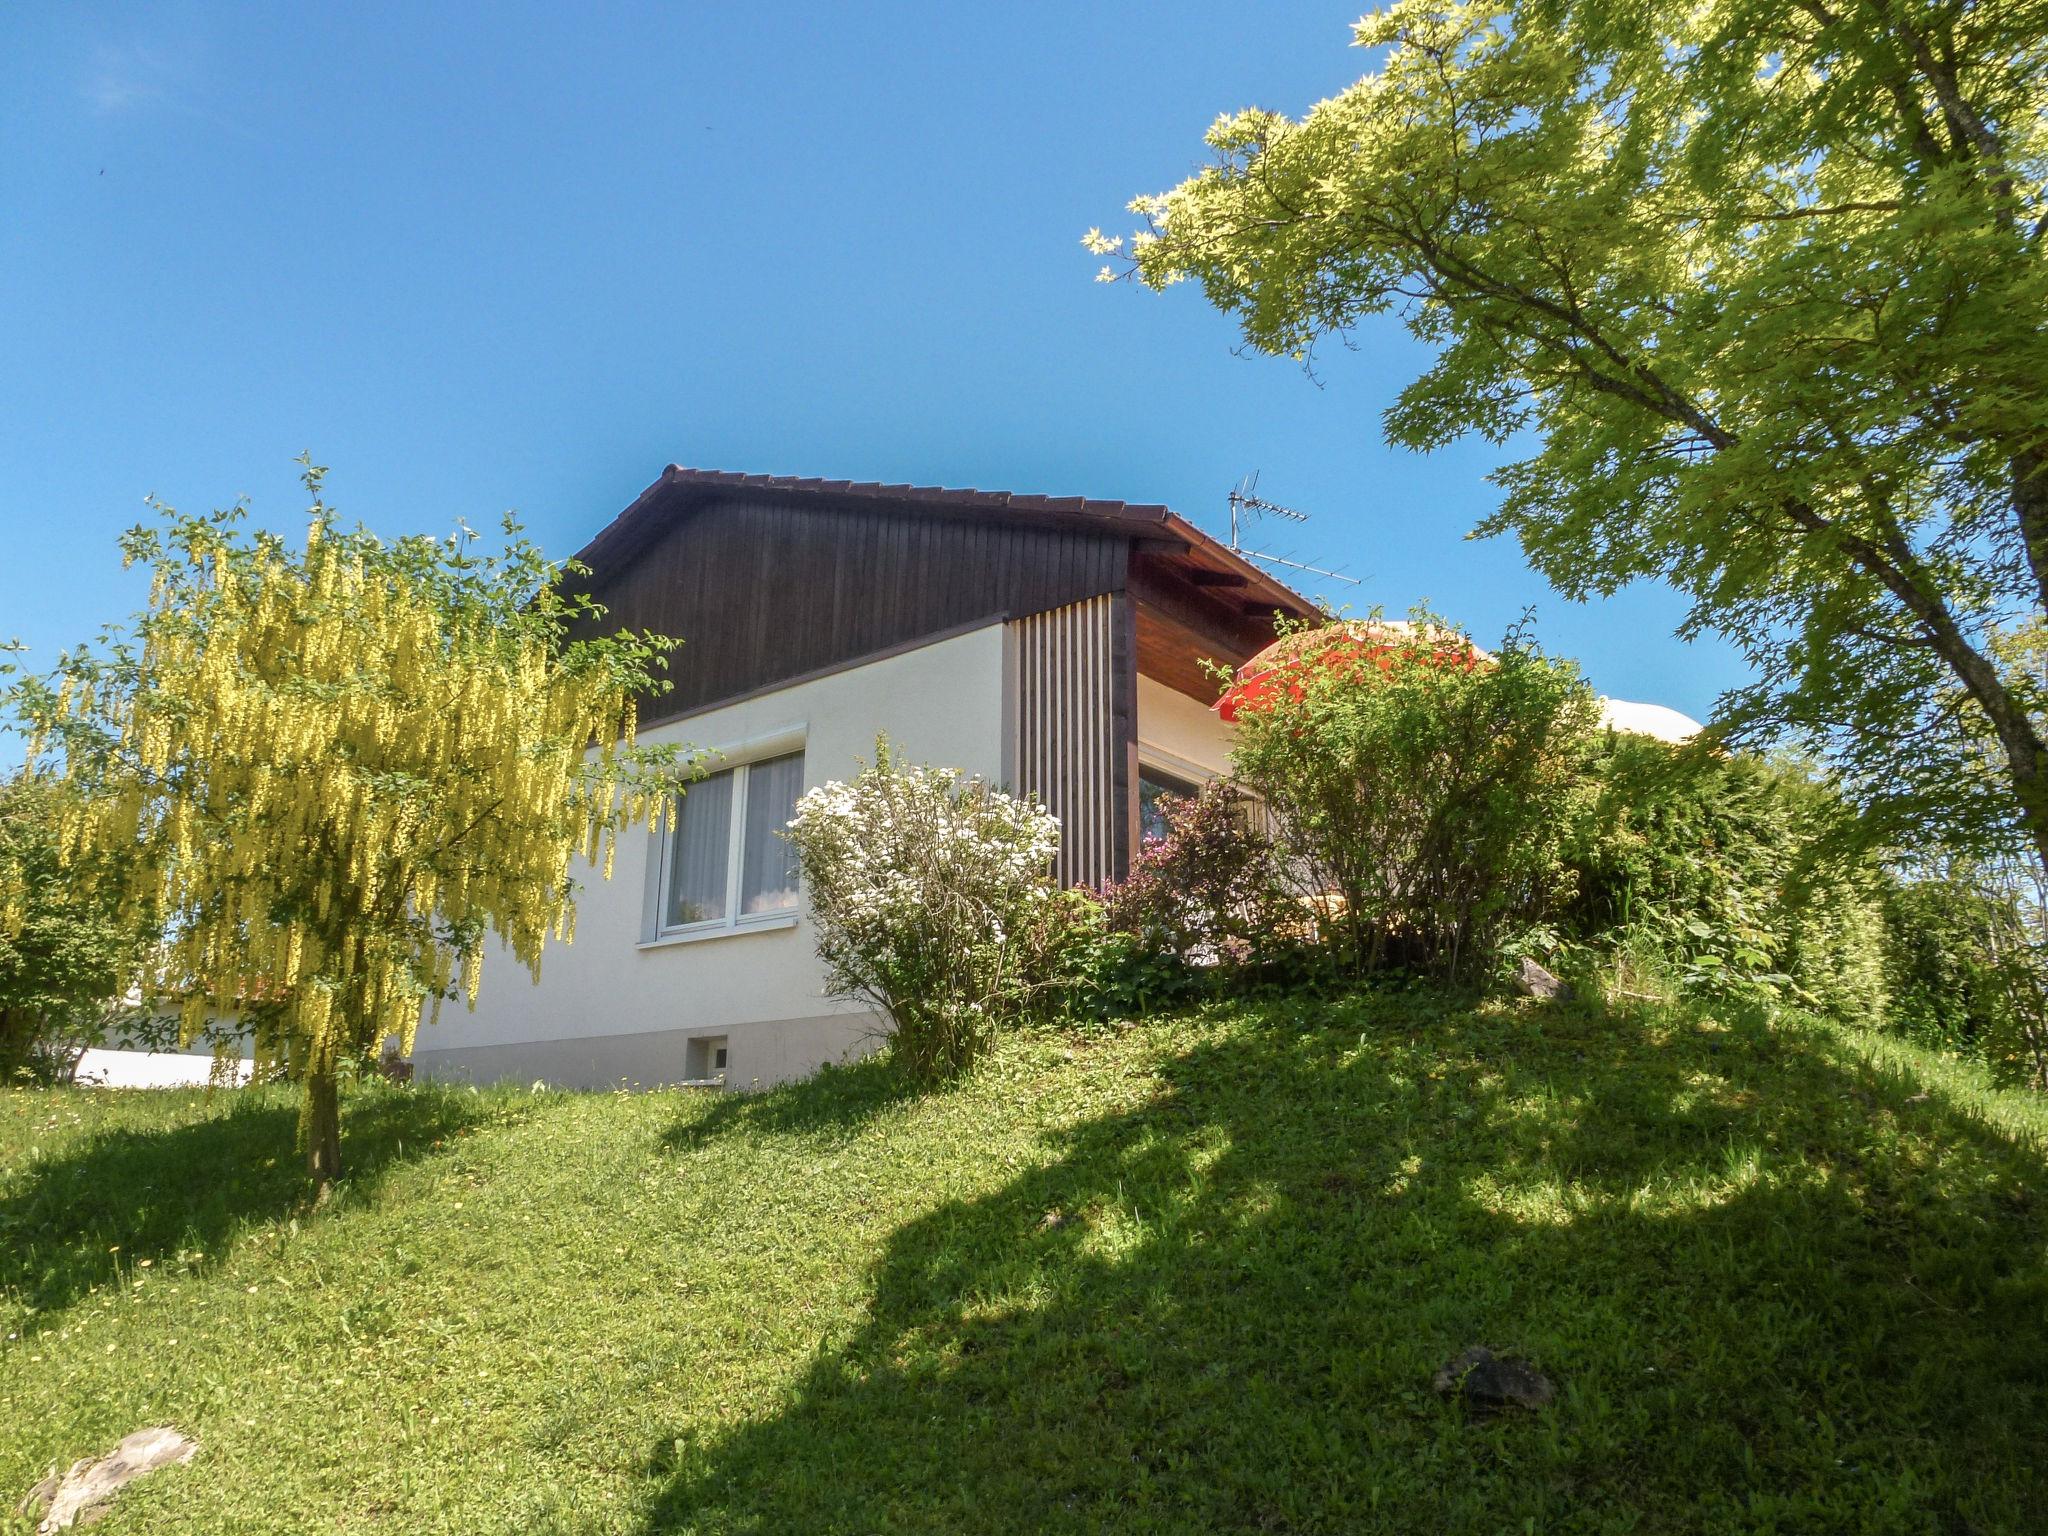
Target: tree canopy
(1764,281)
(66,953)
(333,771)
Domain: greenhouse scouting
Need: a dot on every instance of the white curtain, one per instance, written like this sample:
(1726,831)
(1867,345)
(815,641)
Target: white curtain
(767,861)
(698,853)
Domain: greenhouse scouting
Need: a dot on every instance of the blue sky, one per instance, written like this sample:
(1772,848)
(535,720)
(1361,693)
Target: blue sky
(480,258)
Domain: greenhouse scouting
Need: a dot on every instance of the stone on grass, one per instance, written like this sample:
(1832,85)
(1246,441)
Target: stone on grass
(1532,980)
(79,1497)
(1486,1382)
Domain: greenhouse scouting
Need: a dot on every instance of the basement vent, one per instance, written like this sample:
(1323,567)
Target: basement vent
(706,1058)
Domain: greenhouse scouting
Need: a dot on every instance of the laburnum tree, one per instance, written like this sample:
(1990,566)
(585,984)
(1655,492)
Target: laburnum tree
(333,770)
(1763,282)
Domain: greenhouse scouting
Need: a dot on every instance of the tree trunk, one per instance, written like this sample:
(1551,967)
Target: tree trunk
(323,1127)
(2030,510)
(2026,763)
(15,1034)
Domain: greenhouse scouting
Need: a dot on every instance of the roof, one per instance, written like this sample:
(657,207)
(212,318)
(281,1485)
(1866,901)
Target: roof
(680,490)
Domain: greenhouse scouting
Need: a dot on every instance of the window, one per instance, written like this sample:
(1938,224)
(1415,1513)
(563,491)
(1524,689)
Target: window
(725,863)
(1152,783)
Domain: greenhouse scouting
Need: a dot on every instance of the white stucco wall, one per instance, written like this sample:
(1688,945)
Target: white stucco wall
(610,1007)
(102,1067)
(1179,733)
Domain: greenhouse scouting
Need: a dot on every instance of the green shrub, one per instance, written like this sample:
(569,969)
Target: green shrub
(929,894)
(65,958)
(1721,866)
(1111,975)
(1943,976)
(1419,792)
(1834,948)
(1686,850)
(1071,964)
(1967,969)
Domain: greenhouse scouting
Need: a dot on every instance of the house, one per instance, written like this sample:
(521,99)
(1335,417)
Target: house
(1053,645)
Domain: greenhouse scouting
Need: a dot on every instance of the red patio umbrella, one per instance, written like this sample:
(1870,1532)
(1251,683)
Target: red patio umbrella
(1345,644)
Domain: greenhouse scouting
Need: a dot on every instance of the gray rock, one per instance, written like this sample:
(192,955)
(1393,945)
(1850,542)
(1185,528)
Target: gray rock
(1486,1382)
(38,1498)
(1532,980)
(79,1495)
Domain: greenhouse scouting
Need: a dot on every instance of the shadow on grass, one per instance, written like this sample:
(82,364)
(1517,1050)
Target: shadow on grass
(1776,1289)
(77,1219)
(839,1098)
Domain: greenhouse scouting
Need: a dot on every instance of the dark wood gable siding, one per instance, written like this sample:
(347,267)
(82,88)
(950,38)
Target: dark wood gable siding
(762,593)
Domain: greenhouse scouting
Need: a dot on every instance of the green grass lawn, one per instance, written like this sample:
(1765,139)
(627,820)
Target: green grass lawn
(1188,1276)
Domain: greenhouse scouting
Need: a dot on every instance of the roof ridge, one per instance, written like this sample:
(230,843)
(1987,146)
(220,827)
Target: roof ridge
(1031,501)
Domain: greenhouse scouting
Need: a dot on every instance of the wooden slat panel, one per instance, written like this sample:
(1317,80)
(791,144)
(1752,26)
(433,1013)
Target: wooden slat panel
(1075,753)
(1123,716)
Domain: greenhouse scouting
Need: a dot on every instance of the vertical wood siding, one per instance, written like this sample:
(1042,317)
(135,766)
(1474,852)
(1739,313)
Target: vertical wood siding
(1076,730)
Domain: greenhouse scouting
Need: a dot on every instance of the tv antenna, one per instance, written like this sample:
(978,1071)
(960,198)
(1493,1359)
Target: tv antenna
(1244,498)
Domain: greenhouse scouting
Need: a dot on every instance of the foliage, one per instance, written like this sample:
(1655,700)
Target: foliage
(1764,281)
(1112,976)
(927,893)
(158,1026)
(1207,893)
(1188,1276)
(66,954)
(1723,867)
(1836,942)
(1067,956)
(1941,975)
(333,771)
(1967,965)
(1419,795)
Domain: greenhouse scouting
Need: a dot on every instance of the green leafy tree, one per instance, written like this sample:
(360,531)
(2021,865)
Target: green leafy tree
(1764,281)
(336,769)
(66,953)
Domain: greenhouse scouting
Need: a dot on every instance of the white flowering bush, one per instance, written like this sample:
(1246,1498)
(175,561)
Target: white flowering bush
(927,890)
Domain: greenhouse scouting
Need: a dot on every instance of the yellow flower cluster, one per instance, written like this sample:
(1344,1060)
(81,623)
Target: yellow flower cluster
(336,771)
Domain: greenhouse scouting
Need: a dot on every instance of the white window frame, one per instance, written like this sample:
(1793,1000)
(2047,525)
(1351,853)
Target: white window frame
(1174,766)
(738,760)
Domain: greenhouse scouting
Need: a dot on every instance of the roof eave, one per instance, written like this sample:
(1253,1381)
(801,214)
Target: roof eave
(1259,582)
